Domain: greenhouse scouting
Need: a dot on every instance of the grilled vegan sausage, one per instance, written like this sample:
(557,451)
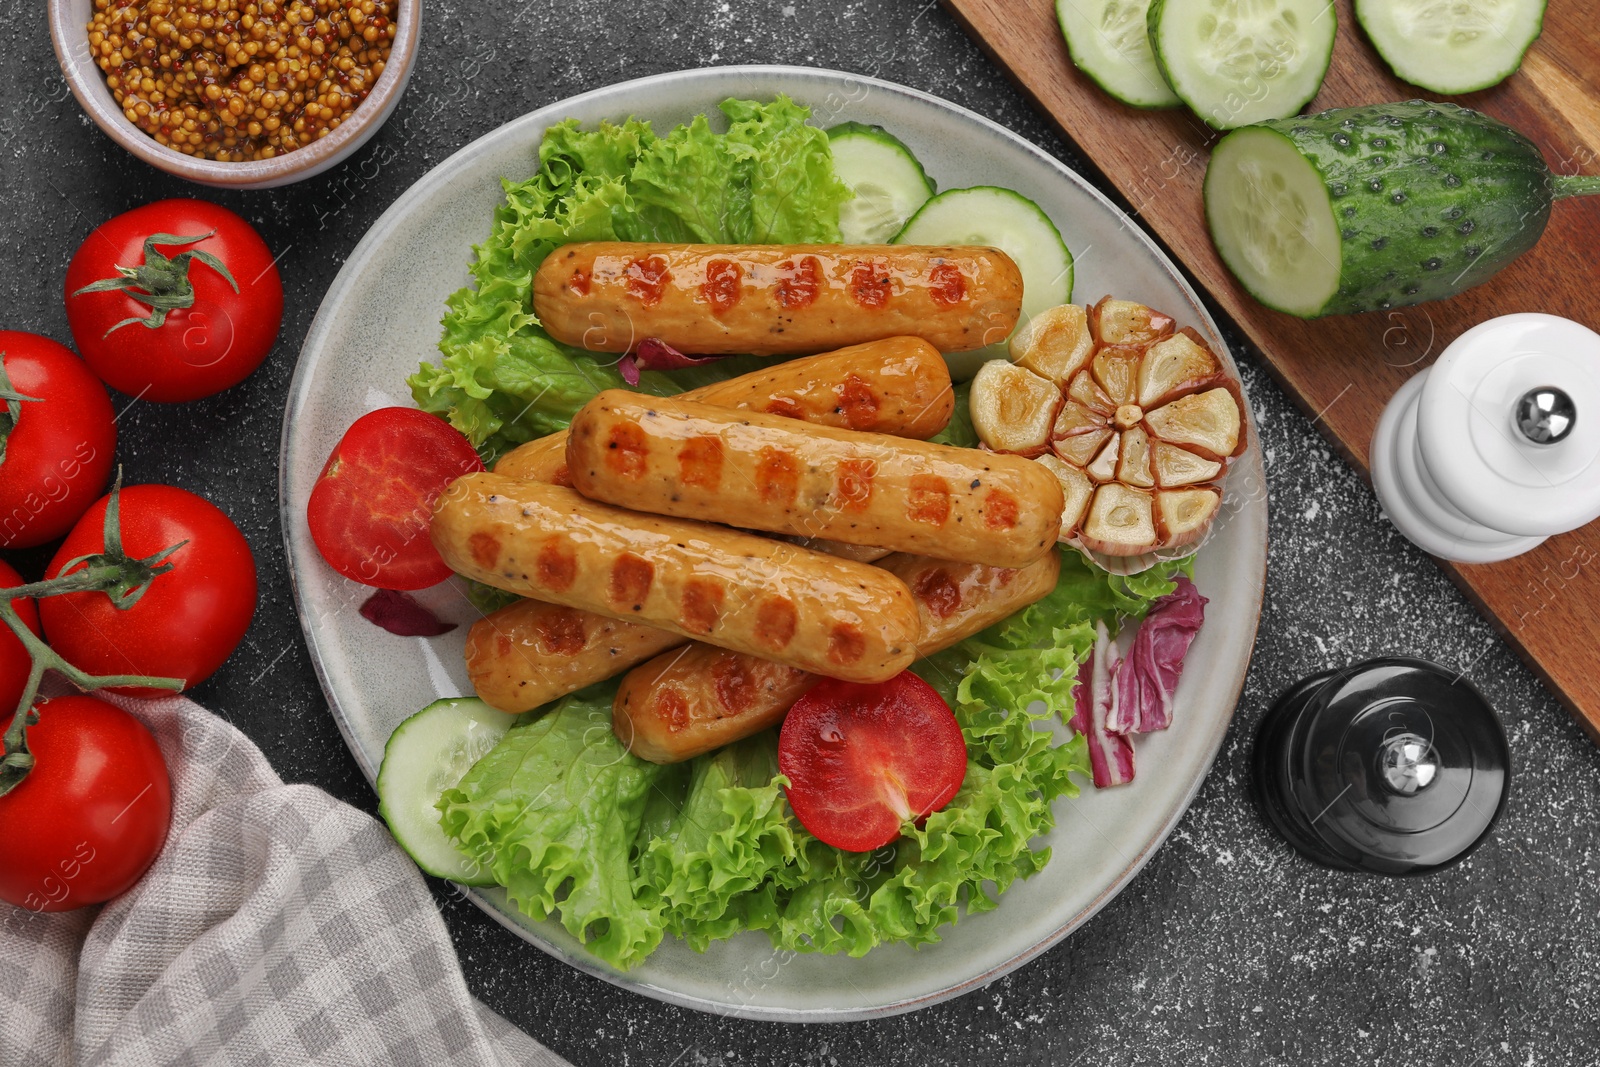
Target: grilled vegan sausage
(736,590)
(697,698)
(693,461)
(899,386)
(770,300)
(530,653)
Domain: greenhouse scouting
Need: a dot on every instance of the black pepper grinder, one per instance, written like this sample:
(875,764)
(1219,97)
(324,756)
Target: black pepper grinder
(1394,766)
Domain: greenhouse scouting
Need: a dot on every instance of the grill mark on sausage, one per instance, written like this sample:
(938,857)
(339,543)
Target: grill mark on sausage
(631,576)
(777,476)
(1000,510)
(939,592)
(776,620)
(485,549)
(852,484)
(858,401)
(869,284)
(786,406)
(846,644)
(929,500)
(947,285)
(560,632)
(700,461)
(800,283)
(627,450)
(556,566)
(734,687)
(672,708)
(724,285)
(646,279)
(702,605)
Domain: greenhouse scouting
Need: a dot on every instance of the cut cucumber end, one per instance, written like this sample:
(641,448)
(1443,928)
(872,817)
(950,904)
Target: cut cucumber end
(427,754)
(1452,47)
(1007,220)
(888,181)
(1109,41)
(1235,62)
(1272,221)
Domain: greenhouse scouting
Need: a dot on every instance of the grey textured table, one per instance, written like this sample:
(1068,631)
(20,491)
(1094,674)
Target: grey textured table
(1227,949)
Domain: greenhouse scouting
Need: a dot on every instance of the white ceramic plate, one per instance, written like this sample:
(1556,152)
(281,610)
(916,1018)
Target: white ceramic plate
(381,317)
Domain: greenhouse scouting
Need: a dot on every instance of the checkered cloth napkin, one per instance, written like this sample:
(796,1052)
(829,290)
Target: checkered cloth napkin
(278,926)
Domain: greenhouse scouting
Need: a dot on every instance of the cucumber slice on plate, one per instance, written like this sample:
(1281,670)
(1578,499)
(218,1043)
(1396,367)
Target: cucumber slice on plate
(1109,40)
(1371,208)
(427,754)
(1235,62)
(1009,221)
(889,182)
(1452,46)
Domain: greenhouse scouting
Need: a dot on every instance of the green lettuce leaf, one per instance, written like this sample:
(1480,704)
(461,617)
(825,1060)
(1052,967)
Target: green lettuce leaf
(706,862)
(503,380)
(555,809)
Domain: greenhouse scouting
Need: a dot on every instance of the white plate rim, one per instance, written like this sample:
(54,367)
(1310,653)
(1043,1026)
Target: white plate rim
(1250,469)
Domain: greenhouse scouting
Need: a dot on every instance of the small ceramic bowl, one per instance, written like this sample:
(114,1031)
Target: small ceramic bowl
(68,22)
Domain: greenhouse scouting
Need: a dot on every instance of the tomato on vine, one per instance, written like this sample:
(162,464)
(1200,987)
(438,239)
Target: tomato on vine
(92,815)
(186,620)
(175,300)
(57,435)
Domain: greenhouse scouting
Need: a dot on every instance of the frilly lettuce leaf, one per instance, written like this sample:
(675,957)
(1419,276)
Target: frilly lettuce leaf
(769,179)
(553,810)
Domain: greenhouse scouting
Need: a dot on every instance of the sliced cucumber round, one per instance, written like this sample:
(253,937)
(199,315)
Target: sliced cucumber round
(1009,221)
(889,182)
(1452,46)
(1272,221)
(1109,40)
(1241,61)
(426,755)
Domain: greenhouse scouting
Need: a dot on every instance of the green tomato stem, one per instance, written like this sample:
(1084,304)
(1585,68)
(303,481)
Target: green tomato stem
(123,581)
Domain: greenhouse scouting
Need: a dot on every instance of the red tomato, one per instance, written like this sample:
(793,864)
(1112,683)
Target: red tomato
(190,619)
(92,815)
(58,451)
(370,508)
(199,349)
(14,659)
(863,760)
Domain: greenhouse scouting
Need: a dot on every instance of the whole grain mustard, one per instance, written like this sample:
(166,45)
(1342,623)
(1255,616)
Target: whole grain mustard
(238,80)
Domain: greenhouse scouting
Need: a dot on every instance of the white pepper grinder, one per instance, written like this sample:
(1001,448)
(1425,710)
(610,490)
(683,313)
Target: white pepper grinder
(1496,447)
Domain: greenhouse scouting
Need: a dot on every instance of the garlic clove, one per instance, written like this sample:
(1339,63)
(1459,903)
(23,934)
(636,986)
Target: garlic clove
(1174,466)
(1206,423)
(1076,490)
(1013,409)
(1116,368)
(1120,522)
(1086,391)
(1184,515)
(1103,468)
(1133,466)
(1055,344)
(1175,365)
(1080,449)
(1124,322)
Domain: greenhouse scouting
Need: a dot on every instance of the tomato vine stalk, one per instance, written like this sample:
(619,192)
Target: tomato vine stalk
(112,572)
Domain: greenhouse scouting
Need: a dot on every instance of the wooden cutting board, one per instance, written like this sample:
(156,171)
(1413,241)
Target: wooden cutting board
(1342,371)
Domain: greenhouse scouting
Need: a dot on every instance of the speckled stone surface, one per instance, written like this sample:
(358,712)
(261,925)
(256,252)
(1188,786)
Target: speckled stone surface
(1228,949)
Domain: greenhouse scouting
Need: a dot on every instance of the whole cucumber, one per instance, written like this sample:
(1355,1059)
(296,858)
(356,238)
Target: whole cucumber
(1370,208)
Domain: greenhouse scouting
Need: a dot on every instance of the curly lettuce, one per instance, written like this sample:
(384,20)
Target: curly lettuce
(769,179)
